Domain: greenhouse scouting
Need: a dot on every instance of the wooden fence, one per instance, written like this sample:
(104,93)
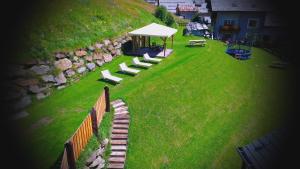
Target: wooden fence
(77,142)
(101,106)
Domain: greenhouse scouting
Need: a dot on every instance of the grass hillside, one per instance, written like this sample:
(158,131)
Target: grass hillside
(68,24)
(190,111)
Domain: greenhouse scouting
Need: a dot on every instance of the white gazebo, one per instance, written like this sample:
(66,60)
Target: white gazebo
(141,37)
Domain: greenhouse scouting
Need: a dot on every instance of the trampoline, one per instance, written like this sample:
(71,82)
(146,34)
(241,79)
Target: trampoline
(239,51)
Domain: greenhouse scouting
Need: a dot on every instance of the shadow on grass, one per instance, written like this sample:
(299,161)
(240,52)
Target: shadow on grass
(108,81)
(125,73)
(140,67)
(194,46)
(57,163)
(153,63)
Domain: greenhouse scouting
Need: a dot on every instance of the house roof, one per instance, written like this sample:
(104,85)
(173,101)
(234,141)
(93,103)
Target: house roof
(240,5)
(172,4)
(187,8)
(260,153)
(154,29)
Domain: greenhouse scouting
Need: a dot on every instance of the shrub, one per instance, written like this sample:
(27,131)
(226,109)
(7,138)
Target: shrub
(165,16)
(197,18)
(161,13)
(169,19)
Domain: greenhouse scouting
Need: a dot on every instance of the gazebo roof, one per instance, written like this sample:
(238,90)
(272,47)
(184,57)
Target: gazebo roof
(154,29)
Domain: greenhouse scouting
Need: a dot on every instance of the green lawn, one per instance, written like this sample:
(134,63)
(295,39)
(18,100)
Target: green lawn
(190,111)
(65,25)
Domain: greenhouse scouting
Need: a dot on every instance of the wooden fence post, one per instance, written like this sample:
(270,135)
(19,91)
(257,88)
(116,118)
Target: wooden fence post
(94,121)
(107,100)
(70,154)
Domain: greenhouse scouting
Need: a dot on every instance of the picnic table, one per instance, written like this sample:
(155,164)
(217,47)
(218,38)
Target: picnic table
(200,42)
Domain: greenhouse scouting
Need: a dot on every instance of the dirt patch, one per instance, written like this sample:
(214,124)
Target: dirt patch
(42,122)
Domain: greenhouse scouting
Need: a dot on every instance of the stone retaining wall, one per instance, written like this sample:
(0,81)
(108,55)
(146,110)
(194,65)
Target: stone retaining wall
(37,78)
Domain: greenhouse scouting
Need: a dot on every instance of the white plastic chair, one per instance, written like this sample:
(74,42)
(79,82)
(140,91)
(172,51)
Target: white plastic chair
(149,59)
(137,62)
(126,69)
(107,75)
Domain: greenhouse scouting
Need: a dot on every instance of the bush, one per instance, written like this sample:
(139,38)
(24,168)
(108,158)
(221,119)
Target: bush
(165,16)
(197,18)
(169,19)
(161,13)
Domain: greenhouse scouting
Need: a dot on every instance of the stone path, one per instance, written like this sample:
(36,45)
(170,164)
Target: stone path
(119,135)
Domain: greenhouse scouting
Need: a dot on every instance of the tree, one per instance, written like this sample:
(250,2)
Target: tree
(161,13)
(197,18)
(169,19)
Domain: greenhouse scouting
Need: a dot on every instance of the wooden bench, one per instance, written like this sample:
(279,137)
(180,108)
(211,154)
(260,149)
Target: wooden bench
(200,42)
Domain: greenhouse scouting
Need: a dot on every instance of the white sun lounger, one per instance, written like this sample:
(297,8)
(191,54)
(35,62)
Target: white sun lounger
(137,62)
(147,58)
(126,69)
(106,75)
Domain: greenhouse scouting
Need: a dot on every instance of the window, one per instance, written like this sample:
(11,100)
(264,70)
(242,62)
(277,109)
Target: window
(252,23)
(228,22)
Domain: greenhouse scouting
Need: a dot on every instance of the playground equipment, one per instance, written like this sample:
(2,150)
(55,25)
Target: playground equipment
(241,51)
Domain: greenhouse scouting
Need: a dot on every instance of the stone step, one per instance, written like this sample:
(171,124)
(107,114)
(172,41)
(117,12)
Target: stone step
(118,148)
(122,112)
(115,166)
(116,101)
(118,142)
(121,121)
(122,117)
(120,126)
(119,137)
(120,131)
(116,159)
(118,154)
(120,104)
(121,108)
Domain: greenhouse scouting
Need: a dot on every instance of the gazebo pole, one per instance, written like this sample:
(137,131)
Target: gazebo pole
(172,40)
(165,46)
(143,41)
(133,43)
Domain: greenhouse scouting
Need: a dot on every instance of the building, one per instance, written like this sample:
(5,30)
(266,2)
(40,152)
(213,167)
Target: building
(203,11)
(187,6)
(171,5)
(153,2)
(189,11)
(186,11)
(202,6)
(199,2)
(244,19)
(264,152)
